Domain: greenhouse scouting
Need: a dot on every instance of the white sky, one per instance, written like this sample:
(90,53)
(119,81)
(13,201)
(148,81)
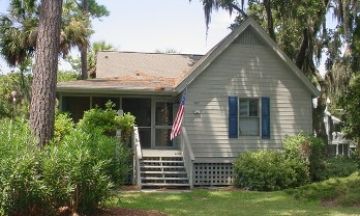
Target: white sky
(146,26)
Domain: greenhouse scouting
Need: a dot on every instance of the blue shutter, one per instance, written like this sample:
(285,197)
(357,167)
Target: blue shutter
(265,117)
(233,117)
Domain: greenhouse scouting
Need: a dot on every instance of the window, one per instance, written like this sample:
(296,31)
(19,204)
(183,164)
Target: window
(249,118)
(76,106)
(244,117)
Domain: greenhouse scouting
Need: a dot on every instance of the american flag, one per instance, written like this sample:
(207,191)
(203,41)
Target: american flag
(176,128)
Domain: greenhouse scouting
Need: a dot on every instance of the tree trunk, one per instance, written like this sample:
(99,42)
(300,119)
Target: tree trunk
(84,47)
(84,63)
(300,58)
(42,109)
(270,21)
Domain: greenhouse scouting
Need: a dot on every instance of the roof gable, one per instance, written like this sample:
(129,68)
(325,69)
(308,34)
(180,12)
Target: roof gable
(238,36)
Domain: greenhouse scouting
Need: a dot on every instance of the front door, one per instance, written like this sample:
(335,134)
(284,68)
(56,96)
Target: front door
(163,122)
(154,119)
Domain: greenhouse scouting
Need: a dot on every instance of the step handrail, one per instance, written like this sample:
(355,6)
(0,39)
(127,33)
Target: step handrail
(188,155)
(137,144)
(137,155)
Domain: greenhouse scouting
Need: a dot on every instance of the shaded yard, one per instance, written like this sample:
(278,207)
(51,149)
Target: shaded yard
(224,203)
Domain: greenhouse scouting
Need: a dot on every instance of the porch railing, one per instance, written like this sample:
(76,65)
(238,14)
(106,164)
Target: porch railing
(188,155)
(137,152)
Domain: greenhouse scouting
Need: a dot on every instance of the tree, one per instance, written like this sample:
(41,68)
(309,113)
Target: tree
(302,33)
(230,5)
(89,8)
(96,47)
(19,30)
(297,24)
(42,109)
(350,103)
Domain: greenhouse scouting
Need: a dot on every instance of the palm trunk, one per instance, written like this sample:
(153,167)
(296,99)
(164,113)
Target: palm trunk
(42,109)
(84,47)
(84,63)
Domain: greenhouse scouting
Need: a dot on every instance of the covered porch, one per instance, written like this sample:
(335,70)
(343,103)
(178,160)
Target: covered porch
(154,114)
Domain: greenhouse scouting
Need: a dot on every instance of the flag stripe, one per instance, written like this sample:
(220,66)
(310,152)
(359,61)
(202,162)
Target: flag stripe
(176,128)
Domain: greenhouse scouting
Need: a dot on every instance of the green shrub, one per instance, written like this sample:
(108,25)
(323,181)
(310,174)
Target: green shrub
(309,148)
(340,167)
(76,178)
(4,109)
(107,121)
(101,125)
(34,181)
(269,170)
(63,126)
(102,120)
(105,148)
(126,122)
(343,191)
(22,190)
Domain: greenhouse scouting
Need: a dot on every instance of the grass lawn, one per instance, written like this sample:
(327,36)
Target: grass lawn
(224,203)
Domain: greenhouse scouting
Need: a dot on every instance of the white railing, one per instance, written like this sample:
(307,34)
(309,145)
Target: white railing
(188,155)
(137,156)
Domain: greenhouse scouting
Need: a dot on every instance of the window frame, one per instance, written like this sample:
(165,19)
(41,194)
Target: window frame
(259,116)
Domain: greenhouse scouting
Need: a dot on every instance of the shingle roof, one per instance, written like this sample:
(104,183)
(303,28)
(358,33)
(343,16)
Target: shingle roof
(136,71)
(144,72)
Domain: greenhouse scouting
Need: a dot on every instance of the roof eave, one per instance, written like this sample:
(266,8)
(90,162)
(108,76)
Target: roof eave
(115,90)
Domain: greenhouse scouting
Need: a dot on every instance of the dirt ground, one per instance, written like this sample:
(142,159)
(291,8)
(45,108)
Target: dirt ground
(128,212)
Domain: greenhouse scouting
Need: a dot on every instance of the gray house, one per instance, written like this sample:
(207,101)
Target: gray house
(244,94)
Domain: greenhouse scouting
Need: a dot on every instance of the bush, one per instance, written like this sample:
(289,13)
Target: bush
(39,181)
(102,120)
(301,161)
(76,178)
(107,121)
(343,191)
(269,170)
(105,148)
(22,190)
(76,170)
(308,148)
(340,167)
(63,126)
(100,125)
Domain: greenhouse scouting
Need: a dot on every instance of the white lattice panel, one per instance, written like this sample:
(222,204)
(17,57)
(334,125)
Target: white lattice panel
(210,174)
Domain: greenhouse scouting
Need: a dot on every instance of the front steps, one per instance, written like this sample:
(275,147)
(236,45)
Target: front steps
(163,171)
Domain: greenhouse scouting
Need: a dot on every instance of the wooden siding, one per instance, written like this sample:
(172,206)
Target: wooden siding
(245,70)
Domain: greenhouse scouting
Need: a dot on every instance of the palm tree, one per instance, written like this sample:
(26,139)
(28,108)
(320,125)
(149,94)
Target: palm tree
(89,8)
(19,30)
(230,5)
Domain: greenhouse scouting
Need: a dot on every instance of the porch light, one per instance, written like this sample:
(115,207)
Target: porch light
(197,112)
